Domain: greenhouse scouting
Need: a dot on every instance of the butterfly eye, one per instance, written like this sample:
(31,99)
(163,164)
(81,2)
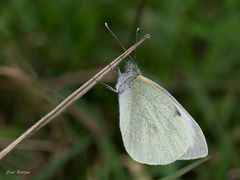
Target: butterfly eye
(132,66)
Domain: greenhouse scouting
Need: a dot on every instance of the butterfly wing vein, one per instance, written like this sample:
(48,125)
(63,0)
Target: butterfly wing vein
(152,131)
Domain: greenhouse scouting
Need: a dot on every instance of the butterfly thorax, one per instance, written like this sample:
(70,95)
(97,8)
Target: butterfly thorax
(125,79)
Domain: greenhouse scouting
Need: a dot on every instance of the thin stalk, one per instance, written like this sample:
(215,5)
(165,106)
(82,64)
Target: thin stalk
(71,98)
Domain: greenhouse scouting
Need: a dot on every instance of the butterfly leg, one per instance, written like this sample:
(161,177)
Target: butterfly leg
(111,88)
(119,71)
(107,86)
(114,69)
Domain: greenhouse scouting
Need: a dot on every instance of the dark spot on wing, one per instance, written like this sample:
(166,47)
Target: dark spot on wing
(177,113)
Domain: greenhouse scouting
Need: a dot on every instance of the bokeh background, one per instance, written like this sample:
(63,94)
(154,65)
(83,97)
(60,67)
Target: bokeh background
(50,48)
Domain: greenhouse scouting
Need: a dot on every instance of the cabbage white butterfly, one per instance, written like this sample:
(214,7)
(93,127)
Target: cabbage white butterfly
(155,128)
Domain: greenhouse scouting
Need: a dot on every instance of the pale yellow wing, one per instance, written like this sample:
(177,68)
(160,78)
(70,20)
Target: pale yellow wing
(197,143)
(152,128)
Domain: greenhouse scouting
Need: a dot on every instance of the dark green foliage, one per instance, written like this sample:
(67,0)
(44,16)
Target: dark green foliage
(49,48)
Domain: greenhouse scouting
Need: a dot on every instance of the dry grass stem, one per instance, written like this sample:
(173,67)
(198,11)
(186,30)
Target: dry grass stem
(71,98)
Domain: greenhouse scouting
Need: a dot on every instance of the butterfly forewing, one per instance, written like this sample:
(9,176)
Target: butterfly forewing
(152,128)
(197,143)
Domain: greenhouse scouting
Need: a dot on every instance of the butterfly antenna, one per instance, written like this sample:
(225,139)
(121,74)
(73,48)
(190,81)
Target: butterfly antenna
(137,37)
(115,37)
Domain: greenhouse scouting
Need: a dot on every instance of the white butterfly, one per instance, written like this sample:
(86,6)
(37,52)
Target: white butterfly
(155,128)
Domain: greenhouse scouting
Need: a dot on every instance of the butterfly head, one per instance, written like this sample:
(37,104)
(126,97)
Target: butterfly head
(125,79)
(131,68)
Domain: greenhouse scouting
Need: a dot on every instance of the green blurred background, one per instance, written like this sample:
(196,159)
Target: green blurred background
(50,48)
